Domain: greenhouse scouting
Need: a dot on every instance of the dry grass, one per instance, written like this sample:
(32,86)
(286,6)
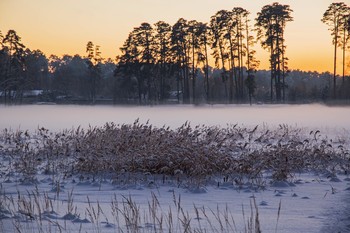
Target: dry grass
(30,213)
(234,153)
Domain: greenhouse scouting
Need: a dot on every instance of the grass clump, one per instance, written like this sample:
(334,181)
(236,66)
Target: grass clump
(198,152)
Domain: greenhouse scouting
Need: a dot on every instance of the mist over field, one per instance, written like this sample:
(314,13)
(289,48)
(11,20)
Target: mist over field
(57,117)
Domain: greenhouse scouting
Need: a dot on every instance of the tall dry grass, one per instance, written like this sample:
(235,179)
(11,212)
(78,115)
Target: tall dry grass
(30,213)
(199,152)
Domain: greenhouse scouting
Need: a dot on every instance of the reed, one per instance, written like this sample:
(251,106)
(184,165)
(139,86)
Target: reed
(199,152)
(28,213)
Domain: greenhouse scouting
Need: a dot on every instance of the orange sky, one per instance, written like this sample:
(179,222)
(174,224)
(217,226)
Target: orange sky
(65,26)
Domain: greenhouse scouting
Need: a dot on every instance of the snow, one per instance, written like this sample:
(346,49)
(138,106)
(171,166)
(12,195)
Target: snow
(307,202)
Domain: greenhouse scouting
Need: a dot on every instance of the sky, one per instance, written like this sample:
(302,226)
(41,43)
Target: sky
(65,26)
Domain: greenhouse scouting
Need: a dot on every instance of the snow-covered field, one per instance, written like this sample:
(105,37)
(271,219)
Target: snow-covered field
(311,203)
(300,195)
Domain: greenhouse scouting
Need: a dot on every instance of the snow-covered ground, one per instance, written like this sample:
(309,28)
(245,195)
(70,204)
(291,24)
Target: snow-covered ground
(309,203)
(306,202)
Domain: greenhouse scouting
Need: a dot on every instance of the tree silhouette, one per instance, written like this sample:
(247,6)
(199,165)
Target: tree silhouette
(230,35)
(144,38)
(160,58)
(239,16)
(128,68)
(218,26)
(93,61)
(270,23)
(252,63)
(1,38)
(36,70)
(3,59)
(199,39)
(345,36)
(180,52)
(71,78)
(203,42)
(138,61)
(334,17)
(14,64)
(162,51)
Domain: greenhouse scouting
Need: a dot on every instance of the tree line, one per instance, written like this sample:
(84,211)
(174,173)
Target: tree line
(162,62)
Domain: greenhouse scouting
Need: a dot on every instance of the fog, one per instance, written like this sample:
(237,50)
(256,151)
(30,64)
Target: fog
(58,117)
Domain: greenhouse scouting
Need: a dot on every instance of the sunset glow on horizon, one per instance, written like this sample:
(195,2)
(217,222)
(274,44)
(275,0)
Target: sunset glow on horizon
(65,26)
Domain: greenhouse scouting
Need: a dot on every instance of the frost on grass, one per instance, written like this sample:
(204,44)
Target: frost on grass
(199,152)
(139,157)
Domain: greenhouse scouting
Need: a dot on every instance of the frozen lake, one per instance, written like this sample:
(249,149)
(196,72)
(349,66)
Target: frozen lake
(57,117)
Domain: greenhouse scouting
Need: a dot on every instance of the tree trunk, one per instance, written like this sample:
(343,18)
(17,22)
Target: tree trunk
(241,61)
(335,60)
(206,70)
(344,48)
(283,66)
(232,69)
(278,81)
(239,64)
(223,68)
(178,79)
(193,74)
(272,73)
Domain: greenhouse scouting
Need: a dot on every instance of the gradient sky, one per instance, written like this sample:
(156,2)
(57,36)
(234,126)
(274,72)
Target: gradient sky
(65,26)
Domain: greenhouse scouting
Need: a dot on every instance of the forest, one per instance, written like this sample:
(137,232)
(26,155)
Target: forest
(189,62)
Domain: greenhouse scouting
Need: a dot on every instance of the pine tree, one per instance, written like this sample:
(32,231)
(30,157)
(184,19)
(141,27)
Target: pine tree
(270,24)
(334,17)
